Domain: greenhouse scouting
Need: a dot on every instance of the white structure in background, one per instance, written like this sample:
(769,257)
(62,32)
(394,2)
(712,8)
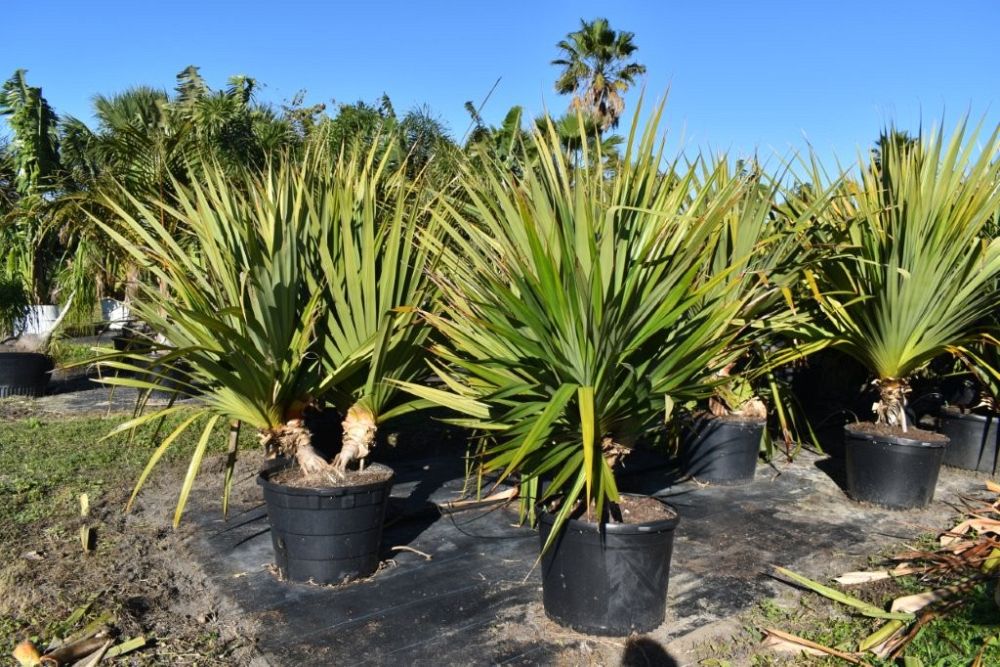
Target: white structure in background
(39,321)
(115,312)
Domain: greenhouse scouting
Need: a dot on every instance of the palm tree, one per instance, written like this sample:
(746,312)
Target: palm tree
(576,131)
(147,142)
(300,291)
(574,314)
(901,140)
(33,163)
(916,272)
(597,71)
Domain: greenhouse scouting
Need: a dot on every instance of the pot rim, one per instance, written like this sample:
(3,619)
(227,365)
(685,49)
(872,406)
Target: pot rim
(618,528)
(736,420)
(951,412)
(264,480)
(895,440)
(18,353)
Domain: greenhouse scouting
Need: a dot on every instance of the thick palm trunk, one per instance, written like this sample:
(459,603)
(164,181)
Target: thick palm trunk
(131,283)
(295,440)
(359,438)
(891,406)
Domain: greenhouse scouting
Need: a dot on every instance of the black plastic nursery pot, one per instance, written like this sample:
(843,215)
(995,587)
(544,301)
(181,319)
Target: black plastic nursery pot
(607,579)
(24,373)
(168,380)
(974,439)
(131,343)
(326,535)
(892,471)
(722,450)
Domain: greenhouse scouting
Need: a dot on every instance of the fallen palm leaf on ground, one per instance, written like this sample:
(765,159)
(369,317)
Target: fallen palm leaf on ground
(968,554)
(868,576)
(786,641)
(843,598)
(87,647)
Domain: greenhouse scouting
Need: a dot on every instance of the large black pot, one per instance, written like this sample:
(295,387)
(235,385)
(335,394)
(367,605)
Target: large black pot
(326,535)
(607,579)
(974,438)
(722,451)
(889,470)
(170,380)
(132,343)
(24,373)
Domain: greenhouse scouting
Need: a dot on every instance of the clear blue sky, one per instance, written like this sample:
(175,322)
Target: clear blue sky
(757,74)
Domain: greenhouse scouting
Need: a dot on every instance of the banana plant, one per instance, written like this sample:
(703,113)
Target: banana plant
(575,312)
(288,290)
(914,273)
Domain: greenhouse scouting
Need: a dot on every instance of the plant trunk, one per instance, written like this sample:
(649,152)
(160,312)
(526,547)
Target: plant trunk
(359,438)
(891,406)
(131,283)
(294,439)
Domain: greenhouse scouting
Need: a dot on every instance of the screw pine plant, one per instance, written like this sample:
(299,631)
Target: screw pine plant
(575,312)
(915,272)
(763,248)
(287,290)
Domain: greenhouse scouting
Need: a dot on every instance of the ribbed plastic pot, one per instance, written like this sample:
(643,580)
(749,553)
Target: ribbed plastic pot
(169,380)
(24,373)
(607,579)
(891,471)
(134,344)
(974,438)
(721,451)
(326,535)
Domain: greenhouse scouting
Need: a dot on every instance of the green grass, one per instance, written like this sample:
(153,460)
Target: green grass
(67,352)
(952,640)
(47,462)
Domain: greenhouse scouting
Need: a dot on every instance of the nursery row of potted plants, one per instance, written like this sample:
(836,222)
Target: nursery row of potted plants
(567,313)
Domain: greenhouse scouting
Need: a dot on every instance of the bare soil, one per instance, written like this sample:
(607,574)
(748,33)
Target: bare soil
(732,418)
(644,509)
(294,477)
(139,578)
(884,430)
(634,510)
(955,411)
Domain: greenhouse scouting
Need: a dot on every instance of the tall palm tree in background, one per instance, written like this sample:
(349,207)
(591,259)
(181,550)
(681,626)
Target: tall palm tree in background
(137,142)
(56,174)
(597,70)
(150,143)
(33,162)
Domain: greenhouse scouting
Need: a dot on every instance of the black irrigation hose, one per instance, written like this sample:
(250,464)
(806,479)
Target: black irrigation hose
(451,517)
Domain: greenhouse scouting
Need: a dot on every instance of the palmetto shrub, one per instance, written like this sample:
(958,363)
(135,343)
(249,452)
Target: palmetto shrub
(911,273)
(278,292)
(579,307)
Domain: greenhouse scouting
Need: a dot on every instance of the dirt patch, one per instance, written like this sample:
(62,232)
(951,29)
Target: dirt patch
(294,477)
(643,509)
(631,509)
(16,407)
(139,578)
(886,431)
(730,418)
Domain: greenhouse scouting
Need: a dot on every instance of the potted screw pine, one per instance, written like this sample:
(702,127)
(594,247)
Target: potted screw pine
(912,280)
(573,318)
(761,249)
(296,295)
(969,414)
